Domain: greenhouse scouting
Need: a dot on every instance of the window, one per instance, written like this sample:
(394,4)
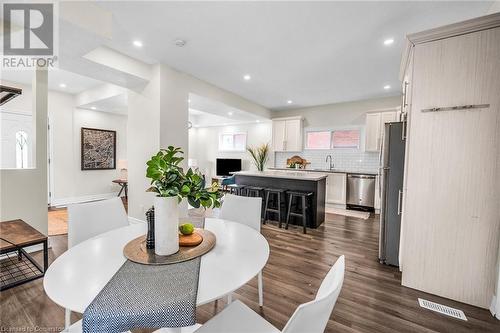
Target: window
(331,139)
(232,142)
(318,140)
(21,150)
(345,139)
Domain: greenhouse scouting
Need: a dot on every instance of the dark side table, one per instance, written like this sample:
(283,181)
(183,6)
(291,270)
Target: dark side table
(124,186)
(16,265)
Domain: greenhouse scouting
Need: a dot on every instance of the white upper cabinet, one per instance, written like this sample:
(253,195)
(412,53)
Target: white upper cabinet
(279,134)
(287,134)
(374,128)
(372,132)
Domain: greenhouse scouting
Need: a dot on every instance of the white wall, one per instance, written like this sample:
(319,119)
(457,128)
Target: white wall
(158,117)
(339,114)
(143,132)
(204,145)
(69,183)
(23,192)
(495,7)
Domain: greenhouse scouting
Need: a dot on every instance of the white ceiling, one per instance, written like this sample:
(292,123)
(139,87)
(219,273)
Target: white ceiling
(75,83)
(114,104)
(204,112)
(310,52)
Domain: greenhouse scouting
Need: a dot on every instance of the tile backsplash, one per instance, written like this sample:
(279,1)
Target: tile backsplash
(343,158)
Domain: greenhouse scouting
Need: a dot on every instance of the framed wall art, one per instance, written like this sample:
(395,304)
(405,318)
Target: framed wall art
(98,148)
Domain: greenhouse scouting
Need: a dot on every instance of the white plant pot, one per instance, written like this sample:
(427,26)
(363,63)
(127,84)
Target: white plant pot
(166,225)
(183,208)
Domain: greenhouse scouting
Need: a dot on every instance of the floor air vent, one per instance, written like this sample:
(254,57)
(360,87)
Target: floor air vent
(443,309)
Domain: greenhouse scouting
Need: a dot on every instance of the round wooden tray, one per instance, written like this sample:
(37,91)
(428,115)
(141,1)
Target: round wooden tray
(136,250)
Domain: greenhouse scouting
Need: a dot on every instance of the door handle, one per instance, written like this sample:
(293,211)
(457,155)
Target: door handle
(403,130)
(400,196)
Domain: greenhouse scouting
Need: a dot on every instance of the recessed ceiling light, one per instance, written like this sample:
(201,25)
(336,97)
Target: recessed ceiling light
(179,42)
(229,113)
(137,43)
(246,77)
(289,101)
(387,87)
(388,41)
(62,85)
(93,108)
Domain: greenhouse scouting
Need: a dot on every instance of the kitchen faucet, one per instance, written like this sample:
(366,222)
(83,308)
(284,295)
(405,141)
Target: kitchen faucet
(331,164)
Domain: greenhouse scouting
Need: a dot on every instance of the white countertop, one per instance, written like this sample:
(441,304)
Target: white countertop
(364,172)
(297,175)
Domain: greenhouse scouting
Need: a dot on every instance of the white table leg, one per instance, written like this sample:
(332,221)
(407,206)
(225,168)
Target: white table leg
(261,292)
(229,298)
(67,319)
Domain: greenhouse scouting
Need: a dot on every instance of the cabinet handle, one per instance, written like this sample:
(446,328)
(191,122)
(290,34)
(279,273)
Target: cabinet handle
(400,197)
(405,99)
(403,129)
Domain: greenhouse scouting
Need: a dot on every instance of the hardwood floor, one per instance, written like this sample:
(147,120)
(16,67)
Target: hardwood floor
(372,299)
(58,221)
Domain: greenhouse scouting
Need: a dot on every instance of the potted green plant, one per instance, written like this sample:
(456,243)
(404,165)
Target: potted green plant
(259,155)
(171,184)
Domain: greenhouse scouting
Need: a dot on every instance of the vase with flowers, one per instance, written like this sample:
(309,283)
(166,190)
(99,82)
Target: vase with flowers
(259,155)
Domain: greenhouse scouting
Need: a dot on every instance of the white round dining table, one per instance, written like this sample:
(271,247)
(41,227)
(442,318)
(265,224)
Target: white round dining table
(75,278)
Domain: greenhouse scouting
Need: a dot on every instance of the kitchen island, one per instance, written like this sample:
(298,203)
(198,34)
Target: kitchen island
(292,181)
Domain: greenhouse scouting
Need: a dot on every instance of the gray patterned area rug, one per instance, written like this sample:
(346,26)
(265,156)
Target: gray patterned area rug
(141,296)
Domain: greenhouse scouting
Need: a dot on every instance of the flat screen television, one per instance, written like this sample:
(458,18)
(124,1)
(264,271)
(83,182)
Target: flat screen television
(224,166)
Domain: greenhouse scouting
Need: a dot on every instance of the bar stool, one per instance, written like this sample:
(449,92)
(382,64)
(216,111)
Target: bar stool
(303,196)
(236,189)
(279,195)
(253,191)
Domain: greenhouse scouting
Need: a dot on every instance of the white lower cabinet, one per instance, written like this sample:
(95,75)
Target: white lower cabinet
(336,188)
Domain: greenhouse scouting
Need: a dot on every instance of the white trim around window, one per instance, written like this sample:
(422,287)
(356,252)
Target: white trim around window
(232,142)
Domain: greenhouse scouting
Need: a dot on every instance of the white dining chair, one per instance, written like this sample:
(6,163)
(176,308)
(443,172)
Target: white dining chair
(310,317)
(244,210)
(87,220)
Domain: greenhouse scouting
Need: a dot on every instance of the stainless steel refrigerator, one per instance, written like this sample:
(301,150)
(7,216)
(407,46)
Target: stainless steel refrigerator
(391,173)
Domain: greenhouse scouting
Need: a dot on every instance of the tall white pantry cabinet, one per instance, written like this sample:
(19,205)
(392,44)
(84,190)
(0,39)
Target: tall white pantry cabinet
(451,215)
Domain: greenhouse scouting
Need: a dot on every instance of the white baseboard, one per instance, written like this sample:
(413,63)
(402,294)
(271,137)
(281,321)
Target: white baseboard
(495,307)
(63,202)
(133,220)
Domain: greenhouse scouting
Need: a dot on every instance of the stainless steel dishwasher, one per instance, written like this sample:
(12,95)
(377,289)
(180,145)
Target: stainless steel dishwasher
(360,191)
